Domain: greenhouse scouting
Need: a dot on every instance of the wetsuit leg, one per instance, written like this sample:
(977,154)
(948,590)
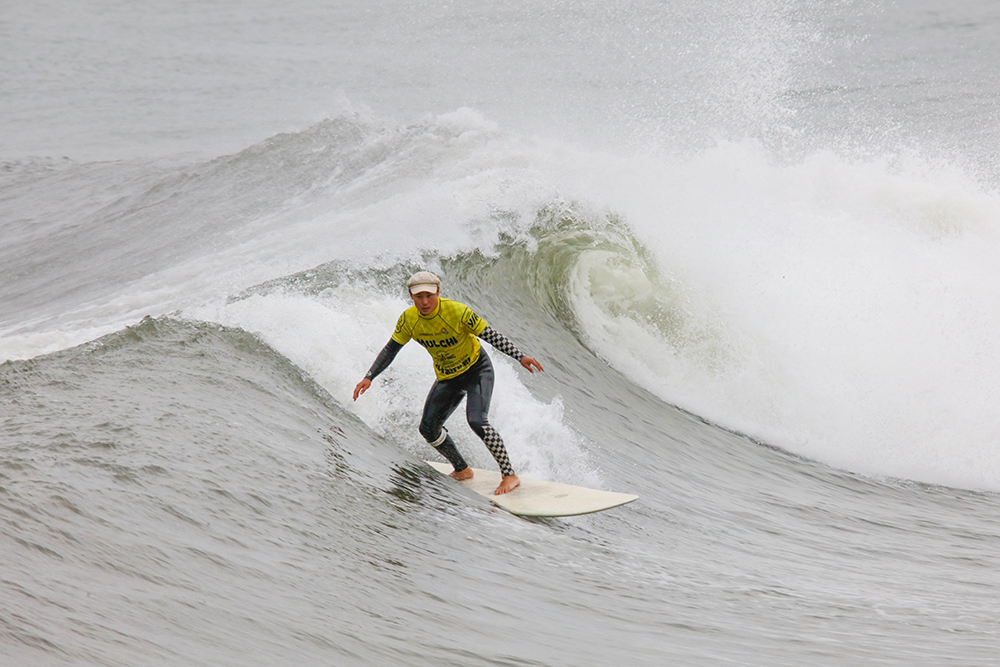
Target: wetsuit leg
(477,408)
(442,400)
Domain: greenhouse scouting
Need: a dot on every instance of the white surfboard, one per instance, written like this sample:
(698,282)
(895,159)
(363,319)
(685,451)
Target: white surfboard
(535,497)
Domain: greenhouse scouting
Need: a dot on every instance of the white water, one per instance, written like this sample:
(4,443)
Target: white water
(781,217)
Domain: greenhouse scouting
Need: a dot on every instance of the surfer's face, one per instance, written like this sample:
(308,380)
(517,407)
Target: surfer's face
(426,302)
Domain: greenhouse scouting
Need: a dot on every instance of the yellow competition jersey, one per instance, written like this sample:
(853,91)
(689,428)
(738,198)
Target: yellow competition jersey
(449,334)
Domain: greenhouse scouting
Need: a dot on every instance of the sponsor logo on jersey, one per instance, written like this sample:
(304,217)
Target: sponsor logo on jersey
(454,369)
(447,342)
(470,318)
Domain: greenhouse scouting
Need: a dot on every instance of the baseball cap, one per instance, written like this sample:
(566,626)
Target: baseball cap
(423,281)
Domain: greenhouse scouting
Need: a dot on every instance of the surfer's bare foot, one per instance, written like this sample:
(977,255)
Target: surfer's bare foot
(462,474)
(507,484)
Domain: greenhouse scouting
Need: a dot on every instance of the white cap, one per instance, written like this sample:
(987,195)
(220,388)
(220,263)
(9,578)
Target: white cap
(423,281)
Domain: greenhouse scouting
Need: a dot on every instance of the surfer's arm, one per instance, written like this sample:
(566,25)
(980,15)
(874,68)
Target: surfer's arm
(501,342)
(505,345)
(383,359)
(382,362)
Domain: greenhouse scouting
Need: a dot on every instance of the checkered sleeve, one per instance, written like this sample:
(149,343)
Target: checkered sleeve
(501,342)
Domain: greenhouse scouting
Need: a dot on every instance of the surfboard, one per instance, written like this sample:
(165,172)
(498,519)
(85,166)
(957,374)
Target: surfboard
(539,498)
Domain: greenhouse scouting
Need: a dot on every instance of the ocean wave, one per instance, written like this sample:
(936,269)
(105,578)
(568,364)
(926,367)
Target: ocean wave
(775,299)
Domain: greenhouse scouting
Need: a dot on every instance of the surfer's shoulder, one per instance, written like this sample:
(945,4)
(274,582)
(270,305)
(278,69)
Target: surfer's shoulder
(405,324)
(456,311)
(451,306)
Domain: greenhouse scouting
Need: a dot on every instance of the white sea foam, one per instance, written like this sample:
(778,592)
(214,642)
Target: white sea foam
(838,309)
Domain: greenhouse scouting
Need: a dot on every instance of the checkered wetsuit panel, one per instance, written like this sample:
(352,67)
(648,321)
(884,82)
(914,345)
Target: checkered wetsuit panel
(495,444)
(501,342)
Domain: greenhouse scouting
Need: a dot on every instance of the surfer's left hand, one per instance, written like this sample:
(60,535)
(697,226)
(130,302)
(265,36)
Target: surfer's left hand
(528,362)
(362,388)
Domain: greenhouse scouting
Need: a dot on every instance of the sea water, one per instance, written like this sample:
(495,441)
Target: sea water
(752,243)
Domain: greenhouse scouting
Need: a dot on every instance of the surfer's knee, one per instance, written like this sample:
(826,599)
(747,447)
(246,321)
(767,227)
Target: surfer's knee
(480,427)
(432,435)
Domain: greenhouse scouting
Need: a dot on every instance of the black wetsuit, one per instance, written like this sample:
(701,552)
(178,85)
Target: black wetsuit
(476,385)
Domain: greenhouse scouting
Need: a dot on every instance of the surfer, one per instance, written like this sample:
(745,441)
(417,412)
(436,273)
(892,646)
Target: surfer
(450,332)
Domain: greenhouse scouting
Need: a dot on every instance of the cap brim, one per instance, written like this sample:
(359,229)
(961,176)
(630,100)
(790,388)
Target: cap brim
(417,289)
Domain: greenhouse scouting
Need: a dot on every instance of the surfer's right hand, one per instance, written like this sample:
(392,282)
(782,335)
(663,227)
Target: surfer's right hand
(362,388)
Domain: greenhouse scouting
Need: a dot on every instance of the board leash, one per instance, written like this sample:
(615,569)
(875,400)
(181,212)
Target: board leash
(396,426)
